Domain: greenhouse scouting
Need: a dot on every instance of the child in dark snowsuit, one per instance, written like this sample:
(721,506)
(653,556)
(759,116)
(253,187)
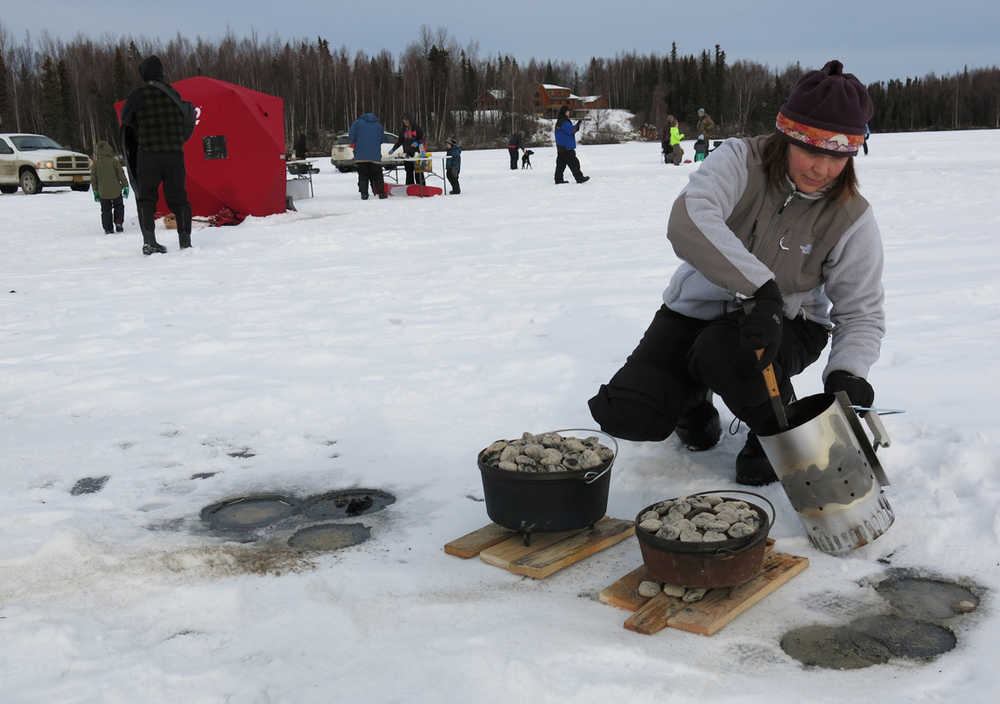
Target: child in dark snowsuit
(107,179)
(454,164)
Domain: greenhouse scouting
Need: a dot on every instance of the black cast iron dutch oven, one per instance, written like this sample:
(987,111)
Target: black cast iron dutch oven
(724,563)
(540,502)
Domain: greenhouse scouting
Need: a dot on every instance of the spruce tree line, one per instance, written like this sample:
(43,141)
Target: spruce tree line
(67,90)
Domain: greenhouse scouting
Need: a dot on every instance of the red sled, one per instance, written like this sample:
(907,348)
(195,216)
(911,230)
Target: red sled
(399,189)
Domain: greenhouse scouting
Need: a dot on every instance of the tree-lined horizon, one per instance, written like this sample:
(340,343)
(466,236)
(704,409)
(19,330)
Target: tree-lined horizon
(67,90)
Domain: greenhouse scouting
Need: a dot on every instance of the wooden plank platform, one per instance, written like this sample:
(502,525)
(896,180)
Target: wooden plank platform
(625,592)
(705,617)
(471,544)
(548,552)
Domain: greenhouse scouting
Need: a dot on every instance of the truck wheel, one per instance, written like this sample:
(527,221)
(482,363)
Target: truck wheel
(29,182)
(8,189)
(80,187)
(345,169)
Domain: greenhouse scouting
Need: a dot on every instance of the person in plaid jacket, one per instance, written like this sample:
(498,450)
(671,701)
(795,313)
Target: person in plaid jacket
(154,123)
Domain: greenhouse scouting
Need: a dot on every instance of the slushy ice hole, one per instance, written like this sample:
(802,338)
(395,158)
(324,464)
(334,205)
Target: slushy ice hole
(330,536)
(927,598)
(247,512)
(346,503)
(872,640)
(867,641)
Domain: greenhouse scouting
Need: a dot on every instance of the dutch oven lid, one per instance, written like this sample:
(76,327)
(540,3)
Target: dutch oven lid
(718,546)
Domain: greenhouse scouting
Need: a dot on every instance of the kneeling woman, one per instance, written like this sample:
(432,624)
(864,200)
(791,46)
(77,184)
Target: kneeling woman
(779,252)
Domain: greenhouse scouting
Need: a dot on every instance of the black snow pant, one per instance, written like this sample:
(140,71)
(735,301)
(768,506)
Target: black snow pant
(679,359)
(112,213)
(453,180)
(167,168)
(513,156)
(370,174)
(567,157)
(412,175)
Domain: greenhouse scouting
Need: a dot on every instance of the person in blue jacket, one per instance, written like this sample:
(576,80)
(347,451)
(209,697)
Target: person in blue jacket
(366,136)
(566,147)
(454,164)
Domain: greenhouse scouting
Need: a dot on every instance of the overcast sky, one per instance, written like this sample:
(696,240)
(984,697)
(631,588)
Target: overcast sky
(876,40)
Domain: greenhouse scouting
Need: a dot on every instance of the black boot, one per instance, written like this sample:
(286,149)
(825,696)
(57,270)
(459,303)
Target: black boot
(155,248)
(699,428)
(752,466)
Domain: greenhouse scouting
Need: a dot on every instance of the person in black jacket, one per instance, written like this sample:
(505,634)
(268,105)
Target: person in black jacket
(152,124)
(513,147)
(411,139)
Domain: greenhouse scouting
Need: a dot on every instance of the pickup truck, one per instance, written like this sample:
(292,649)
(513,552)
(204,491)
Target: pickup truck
(31,161)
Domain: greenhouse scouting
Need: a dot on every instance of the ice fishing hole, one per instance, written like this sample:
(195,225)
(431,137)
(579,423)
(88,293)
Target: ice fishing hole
(247,512)
(927,598)
(330,536)
(346,503)
(867,641)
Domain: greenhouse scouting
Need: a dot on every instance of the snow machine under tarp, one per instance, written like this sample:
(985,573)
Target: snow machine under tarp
(235,159)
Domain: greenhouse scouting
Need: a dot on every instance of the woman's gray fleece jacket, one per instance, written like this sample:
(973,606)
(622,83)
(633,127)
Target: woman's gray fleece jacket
(735,232)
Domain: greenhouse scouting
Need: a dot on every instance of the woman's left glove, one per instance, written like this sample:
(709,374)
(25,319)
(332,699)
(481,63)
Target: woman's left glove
(858,390)
(760,328)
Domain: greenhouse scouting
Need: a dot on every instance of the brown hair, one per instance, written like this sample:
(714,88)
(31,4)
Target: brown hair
(775,155)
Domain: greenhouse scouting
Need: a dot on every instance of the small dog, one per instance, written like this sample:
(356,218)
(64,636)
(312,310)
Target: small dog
(526,159)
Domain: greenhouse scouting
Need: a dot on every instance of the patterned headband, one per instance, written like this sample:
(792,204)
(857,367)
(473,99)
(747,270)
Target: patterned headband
(825,140)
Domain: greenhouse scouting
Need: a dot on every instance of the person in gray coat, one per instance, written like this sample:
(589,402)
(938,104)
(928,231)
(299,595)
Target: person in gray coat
(780,253)
(366,136)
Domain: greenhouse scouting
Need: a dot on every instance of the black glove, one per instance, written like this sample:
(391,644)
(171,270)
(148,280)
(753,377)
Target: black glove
(858,390)
(760,328)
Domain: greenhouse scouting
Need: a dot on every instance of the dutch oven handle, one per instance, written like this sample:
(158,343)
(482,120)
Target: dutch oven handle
(774,515)
(591,477)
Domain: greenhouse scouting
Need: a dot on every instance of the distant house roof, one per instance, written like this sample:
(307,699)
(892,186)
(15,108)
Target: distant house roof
(497,93)
(588,98)
(549,86)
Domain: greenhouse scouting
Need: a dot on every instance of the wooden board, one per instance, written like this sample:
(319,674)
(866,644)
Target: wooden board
(625,592)
(547,553)
(716,610)
(705,617)
(473,543)
(540,564)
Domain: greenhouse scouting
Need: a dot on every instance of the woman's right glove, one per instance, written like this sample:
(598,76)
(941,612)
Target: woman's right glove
(760,327)
(858,389)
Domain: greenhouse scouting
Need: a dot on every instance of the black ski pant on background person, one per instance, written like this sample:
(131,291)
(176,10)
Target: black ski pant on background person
(567,157)
(412,175)
(112,214)
(453,180)
(680,359)
(370,174)
(513,151)
(154,168)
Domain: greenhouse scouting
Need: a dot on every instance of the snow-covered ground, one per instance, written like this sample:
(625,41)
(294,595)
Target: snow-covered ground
(382,344)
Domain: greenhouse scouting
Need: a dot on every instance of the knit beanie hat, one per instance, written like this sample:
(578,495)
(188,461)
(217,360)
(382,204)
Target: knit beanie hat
(827,111)
(151,68)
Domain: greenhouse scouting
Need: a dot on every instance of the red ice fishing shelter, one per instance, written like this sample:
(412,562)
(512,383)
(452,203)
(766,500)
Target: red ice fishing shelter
(235,159)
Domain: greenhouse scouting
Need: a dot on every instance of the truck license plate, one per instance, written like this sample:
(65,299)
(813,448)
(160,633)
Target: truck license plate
(78,179)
